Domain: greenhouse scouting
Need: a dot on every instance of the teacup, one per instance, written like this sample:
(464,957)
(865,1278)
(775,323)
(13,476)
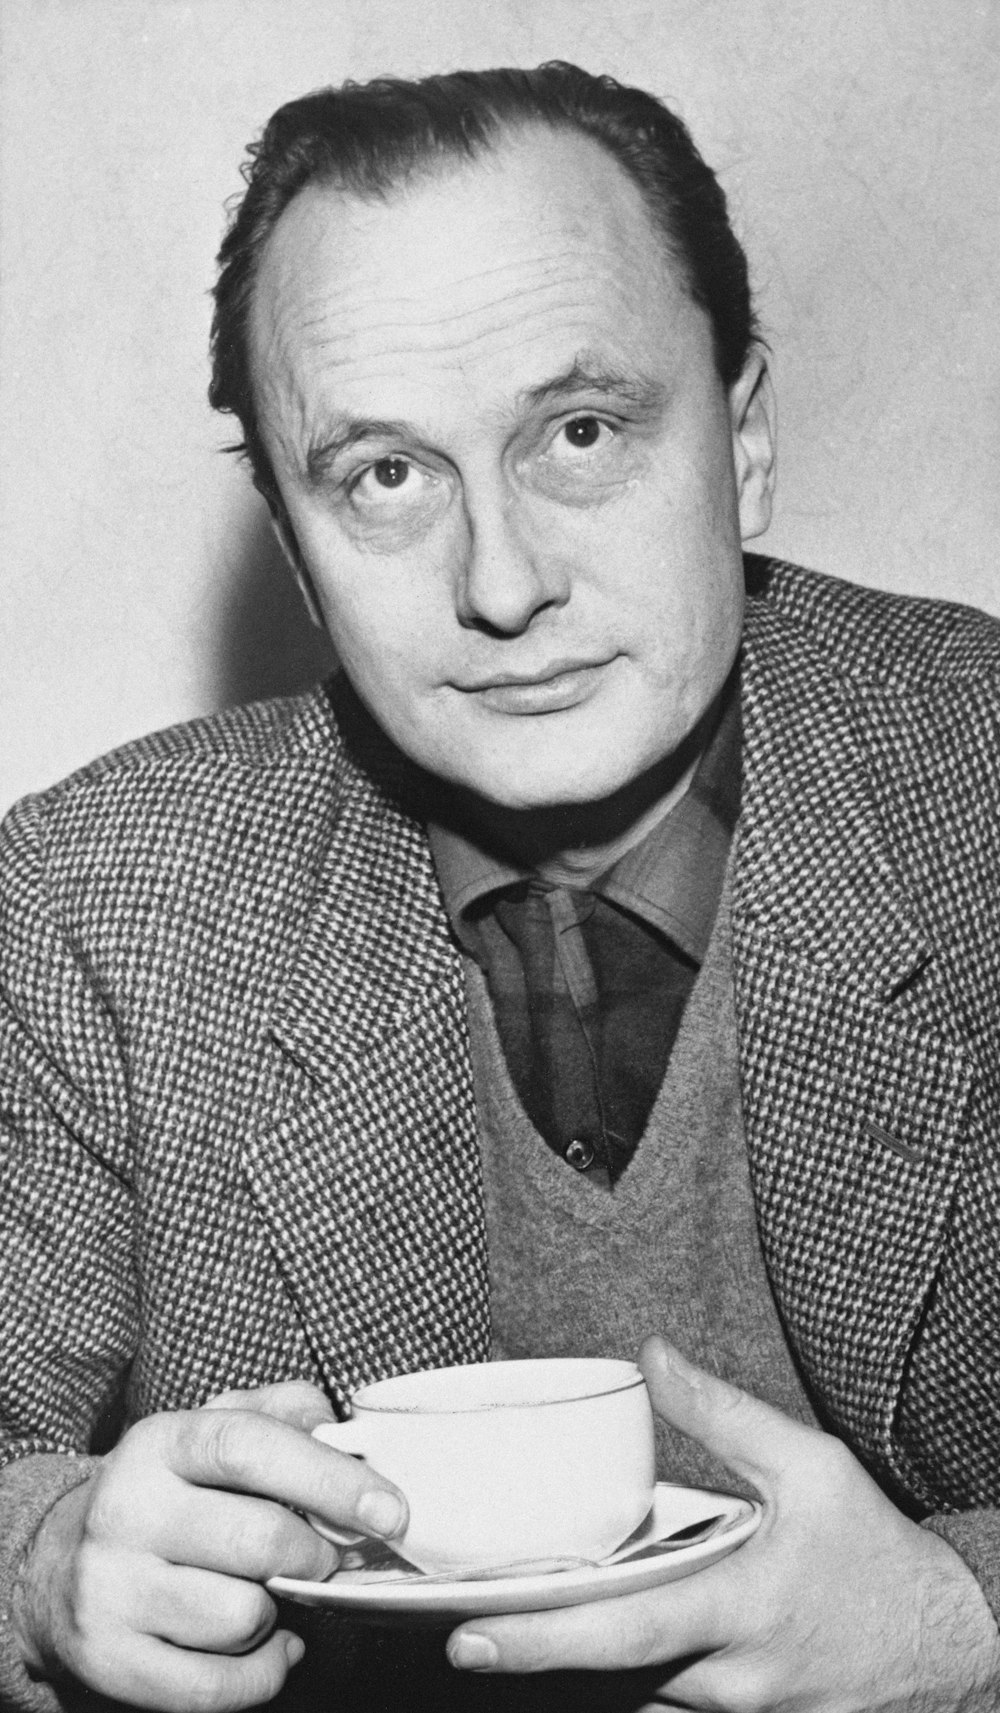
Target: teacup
(509,1463)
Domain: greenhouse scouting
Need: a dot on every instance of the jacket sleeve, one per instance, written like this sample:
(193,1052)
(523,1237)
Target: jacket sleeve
(28,1487)
(975,1536)
(67,1293)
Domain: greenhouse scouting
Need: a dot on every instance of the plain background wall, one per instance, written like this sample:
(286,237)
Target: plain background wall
(856,139)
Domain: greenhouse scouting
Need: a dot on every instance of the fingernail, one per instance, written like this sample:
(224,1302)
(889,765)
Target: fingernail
(327,1562)
(295,1647)
(677,1364)
(470,1652)
(380,1512)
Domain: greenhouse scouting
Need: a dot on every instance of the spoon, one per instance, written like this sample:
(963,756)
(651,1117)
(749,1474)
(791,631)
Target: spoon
(692,1535)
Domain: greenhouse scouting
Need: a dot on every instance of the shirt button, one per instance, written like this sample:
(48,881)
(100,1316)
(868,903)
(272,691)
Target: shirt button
(579,1155)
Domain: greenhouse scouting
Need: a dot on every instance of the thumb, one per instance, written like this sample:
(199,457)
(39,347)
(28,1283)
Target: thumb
(750,1437)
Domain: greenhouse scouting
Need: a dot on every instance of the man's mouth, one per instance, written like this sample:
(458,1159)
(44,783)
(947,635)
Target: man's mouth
(559,684)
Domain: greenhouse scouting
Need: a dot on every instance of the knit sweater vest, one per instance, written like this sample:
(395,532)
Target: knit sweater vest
(580,1270)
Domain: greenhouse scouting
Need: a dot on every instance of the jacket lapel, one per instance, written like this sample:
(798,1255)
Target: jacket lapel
(854,1105)
(369,1179)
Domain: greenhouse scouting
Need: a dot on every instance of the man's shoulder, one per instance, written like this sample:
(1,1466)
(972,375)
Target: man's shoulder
(252,736)
(185,785)
(901,644)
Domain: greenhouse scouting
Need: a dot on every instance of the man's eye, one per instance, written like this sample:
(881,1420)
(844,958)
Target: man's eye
(390,472)
(387,477)
(583,432)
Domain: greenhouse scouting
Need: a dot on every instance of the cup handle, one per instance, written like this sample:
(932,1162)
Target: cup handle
(346,1437)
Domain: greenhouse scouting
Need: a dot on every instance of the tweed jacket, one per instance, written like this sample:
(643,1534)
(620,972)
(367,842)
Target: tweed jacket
(236,1098)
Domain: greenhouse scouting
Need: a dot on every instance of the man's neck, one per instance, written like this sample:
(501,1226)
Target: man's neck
(580,865)
(574,844)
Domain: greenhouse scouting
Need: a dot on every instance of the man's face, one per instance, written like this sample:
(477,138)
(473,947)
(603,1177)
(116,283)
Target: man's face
(515,480)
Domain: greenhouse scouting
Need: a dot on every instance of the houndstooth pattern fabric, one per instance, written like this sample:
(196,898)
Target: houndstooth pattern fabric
(239,1131)
(867,968)
(220,950)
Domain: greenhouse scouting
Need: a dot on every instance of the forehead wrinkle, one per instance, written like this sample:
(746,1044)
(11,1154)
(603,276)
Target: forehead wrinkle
(585,277)
(324,259)
(584,364)
(329,421)
(553,261)
(521,304)
(393,362)
(591,287)
(579,342)
(325,426)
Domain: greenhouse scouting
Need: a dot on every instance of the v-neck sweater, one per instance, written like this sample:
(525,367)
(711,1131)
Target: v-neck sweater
(576,1269)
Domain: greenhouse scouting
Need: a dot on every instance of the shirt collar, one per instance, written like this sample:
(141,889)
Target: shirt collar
(671,880)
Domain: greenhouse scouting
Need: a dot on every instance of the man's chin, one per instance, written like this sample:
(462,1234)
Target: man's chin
(526,777)
(535,795)
(536,817)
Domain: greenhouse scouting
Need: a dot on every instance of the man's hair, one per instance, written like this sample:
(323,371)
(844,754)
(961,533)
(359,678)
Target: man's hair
(369,139)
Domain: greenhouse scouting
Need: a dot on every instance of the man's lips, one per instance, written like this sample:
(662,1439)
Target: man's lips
(557,685)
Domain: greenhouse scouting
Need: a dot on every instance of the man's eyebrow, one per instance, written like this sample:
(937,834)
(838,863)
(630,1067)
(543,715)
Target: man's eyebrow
(321,453)
(584,377)
(581,377)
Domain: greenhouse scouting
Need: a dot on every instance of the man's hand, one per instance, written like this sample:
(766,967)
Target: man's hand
(838,1604)
(145,1583)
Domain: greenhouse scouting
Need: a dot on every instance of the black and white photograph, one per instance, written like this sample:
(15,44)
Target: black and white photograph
(499,856)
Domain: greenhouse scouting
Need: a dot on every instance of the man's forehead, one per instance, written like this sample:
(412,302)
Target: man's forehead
(529,255)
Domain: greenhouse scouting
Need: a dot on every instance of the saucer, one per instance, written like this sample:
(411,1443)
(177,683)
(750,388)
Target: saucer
(372,1588)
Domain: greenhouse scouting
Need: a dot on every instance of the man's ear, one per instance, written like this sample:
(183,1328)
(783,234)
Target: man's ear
(290,548)
(753,413)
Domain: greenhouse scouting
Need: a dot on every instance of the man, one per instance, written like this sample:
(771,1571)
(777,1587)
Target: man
(396,1024)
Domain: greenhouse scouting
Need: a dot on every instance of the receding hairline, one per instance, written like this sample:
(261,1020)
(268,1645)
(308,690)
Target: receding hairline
(477,154)
(373,139)
(454,164)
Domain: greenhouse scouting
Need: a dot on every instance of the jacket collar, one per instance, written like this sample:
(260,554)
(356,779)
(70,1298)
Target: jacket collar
(375,938)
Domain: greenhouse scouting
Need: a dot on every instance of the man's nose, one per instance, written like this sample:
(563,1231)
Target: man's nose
(508,572)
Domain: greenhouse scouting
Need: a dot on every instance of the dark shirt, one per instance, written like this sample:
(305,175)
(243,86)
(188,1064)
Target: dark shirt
(588,985)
